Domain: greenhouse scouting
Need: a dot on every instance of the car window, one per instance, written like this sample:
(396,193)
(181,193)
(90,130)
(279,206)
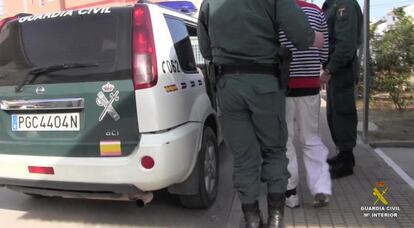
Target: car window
(200,61)
(192,31)
(182,44)
(101,39)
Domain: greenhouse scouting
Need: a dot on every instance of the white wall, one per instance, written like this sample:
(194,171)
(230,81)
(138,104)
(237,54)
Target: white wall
(1,7)
(390,19)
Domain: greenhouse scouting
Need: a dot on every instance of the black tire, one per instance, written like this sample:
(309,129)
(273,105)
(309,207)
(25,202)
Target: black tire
(208,169)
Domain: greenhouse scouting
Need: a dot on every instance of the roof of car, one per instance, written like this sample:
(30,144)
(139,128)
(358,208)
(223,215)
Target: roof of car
(173,12)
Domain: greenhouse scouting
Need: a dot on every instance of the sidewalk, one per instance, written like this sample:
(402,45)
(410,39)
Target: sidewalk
(352,200)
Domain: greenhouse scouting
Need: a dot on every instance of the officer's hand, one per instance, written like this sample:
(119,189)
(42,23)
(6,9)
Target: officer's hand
(318,42)
(325,77)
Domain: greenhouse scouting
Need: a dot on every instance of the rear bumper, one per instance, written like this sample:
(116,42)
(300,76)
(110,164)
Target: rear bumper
(70,186)
(174,153)
(78,190)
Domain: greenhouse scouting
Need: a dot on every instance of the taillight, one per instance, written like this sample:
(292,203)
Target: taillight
(147,162)
(41,170)
(4,21)
(144,65)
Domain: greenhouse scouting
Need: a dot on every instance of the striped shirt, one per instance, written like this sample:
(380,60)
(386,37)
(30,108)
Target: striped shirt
(306,64)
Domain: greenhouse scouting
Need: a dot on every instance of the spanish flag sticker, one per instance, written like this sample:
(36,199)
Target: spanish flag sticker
(171,88)
(110,148)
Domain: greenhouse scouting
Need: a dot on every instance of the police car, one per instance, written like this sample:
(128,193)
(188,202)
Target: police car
(106,103)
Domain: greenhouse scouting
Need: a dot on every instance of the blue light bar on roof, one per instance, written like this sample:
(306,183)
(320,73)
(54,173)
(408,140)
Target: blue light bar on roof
(186,7)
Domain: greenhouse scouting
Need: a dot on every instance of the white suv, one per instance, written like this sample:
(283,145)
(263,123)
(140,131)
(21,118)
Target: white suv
(106,103)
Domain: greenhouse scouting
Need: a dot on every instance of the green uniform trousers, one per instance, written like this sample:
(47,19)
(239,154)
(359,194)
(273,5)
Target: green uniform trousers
(341,109)
(254,128)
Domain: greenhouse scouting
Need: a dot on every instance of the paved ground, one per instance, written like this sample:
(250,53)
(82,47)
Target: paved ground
(392,125)
(404,157)
(352,196)
(350,205)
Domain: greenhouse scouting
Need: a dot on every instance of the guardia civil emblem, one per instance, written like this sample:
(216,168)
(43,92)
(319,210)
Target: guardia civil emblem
(106,98)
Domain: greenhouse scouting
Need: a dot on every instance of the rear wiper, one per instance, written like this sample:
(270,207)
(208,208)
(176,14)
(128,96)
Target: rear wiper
(34,73)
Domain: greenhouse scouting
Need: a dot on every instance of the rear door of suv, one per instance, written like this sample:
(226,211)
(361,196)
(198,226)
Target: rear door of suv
(66,85)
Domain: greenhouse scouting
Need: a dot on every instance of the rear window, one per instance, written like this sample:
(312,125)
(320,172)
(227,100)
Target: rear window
(101,37)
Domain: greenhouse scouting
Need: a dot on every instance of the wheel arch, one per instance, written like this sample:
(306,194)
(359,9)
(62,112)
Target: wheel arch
(190,185)
(213,122)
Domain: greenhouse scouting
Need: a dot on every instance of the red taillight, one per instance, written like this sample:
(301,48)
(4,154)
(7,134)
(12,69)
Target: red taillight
(41,170)
(147,162)
(144,61)
(4,21)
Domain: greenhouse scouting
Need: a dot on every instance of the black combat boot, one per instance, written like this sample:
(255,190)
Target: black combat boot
(342,165)
(252,215)
(275,208)
(343,155)
(333,159)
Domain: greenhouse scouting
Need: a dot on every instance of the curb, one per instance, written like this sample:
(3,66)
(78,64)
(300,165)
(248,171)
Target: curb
(392,143)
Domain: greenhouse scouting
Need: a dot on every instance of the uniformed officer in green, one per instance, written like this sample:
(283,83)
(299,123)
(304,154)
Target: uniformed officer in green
(345,28)
(240,38)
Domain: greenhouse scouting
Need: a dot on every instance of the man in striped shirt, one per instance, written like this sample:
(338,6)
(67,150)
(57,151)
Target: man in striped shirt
(302,112)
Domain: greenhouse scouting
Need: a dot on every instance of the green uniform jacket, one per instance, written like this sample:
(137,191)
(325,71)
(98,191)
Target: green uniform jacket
(232,31)
(345,29)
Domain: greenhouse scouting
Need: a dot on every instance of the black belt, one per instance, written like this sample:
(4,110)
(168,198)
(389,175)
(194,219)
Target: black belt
(224,69)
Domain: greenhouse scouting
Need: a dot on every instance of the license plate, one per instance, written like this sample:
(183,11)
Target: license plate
(46,122)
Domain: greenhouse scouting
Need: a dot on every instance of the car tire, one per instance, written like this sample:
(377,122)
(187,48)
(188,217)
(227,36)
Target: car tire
(208,169)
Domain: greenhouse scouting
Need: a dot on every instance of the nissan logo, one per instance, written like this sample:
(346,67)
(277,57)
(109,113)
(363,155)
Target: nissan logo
(40,90)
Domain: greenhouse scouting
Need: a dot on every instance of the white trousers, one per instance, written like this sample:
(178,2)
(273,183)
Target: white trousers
(302,118)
